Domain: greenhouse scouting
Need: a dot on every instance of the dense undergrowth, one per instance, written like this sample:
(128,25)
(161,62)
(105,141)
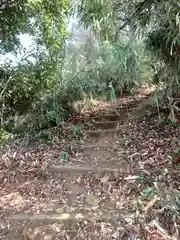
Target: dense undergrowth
(42,98)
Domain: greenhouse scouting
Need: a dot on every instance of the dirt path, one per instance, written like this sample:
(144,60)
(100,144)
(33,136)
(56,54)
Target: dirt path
(94,195)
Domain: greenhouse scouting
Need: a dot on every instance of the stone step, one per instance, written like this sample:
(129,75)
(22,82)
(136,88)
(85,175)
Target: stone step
(73,168)
(61,217)
(106,124)
(95,146)
(68,225)
(122,107)
(102,132)
(107,117)
(90,146)
(101,125)
(80,168)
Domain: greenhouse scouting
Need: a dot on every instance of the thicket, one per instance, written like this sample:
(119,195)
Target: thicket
(39,96)
(157,23)
(39,93)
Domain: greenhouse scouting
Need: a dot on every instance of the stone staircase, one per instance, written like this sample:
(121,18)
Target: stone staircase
(77,197)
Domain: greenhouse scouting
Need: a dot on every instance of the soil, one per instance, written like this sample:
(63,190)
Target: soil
(117,182)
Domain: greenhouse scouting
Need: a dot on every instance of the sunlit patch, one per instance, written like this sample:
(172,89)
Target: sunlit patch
(13,200)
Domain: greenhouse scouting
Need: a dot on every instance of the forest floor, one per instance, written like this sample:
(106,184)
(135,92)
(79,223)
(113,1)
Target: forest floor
(116,178)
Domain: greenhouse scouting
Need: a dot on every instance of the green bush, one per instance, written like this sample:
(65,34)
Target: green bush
(108,65)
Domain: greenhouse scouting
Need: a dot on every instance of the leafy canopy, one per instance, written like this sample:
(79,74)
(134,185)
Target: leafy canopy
(43,19)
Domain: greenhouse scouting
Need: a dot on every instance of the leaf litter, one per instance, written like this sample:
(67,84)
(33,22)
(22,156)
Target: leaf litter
(141,202)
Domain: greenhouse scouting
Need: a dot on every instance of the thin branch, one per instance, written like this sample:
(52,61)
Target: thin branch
(139,9)
(162,231)
(151,203)
(4,89)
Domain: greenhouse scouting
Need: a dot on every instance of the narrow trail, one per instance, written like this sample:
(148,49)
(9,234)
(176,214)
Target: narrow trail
(88,197)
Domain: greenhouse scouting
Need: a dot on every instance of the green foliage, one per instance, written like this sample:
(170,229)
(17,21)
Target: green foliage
(116,64)
(157,22)
(63,157)
(42,19)
(148,192)
(48,97)
(38,94)
(14,19)
(76,131)
(172,204)
(4,137)
(22,85)
(98,15)
(111,94)
(163,43)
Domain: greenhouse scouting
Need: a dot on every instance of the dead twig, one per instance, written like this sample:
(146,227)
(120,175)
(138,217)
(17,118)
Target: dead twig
(151,204)
(163,232)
